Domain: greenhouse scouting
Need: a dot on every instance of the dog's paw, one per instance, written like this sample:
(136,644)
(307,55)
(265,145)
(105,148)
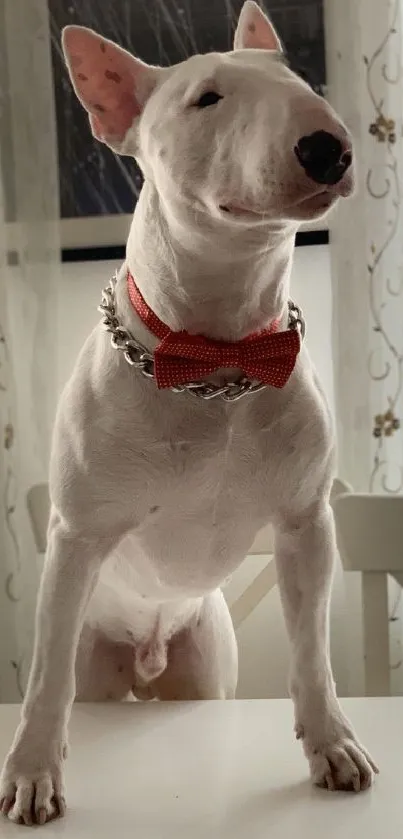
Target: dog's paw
(31,784)
(342,764)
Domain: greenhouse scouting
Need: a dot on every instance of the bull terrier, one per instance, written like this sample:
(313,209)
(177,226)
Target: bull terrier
(202,420)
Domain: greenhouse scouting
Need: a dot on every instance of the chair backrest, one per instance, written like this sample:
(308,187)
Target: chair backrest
(264,542)
(370,531)
(339,487)
(38,503)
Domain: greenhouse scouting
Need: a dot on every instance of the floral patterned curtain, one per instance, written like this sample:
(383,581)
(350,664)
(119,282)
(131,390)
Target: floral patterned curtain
(29,280)
(365,80)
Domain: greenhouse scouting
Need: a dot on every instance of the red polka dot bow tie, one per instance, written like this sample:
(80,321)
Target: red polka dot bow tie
(268,356)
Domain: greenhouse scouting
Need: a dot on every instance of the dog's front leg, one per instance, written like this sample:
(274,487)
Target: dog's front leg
(31,786)
(305,550)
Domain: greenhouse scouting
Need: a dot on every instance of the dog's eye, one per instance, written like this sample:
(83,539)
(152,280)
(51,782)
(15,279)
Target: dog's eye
(208,98)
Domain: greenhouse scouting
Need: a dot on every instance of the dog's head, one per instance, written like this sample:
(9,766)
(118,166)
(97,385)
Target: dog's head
(235,135)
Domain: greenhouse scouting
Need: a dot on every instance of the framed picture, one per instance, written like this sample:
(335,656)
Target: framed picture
(98,189)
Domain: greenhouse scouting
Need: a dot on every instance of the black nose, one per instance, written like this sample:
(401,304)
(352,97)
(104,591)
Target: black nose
(323,158)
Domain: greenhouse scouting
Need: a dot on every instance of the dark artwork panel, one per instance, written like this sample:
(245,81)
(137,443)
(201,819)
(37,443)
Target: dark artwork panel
(93,180)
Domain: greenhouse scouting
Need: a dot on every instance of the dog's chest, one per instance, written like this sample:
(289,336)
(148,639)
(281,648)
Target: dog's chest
(207,494)
(225,469)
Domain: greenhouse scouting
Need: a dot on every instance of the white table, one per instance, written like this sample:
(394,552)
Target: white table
(215,770)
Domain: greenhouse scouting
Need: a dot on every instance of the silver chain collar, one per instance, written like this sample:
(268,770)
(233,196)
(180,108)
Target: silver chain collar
(139,357)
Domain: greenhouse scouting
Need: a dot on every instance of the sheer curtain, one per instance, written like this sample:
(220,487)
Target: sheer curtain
(365,56)
(29,282)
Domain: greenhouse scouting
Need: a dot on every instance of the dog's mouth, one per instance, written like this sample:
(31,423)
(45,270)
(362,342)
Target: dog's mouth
(315,202)
(319,200)
(310,203)
(242,210)
(324,198)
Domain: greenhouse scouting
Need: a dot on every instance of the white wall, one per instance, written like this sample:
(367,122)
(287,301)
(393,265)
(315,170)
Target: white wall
(262,641)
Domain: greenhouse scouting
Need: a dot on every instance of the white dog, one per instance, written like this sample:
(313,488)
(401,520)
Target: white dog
(157,493)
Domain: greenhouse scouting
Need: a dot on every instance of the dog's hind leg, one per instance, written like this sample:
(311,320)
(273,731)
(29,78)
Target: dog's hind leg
(202,657)
(104,668)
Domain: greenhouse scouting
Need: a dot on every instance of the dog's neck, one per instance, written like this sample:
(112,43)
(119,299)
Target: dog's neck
(206,276)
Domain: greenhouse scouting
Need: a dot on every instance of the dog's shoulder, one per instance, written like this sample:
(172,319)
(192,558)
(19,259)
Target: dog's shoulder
(292,432)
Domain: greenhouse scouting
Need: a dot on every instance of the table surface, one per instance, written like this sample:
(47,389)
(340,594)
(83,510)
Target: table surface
(215,769)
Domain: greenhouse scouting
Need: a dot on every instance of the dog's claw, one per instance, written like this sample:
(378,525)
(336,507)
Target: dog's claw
(62,806)
(41,816)
(31,787)
(6,805)
(27,818)
(342,765)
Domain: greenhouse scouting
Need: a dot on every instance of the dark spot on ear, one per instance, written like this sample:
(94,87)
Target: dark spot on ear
(82,77)
(99,108)
(76,61)
(154,509)
(114,77)
(120,668)
(252,27)
(102,46)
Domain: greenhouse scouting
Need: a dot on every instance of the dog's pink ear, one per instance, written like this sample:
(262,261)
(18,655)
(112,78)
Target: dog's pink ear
(254,30)
(111,84)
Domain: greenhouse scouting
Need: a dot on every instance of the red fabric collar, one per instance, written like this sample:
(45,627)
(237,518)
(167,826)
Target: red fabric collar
(268,356)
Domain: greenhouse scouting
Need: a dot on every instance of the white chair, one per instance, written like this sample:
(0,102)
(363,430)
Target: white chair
(262,584)
(38,503)
(369,532)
